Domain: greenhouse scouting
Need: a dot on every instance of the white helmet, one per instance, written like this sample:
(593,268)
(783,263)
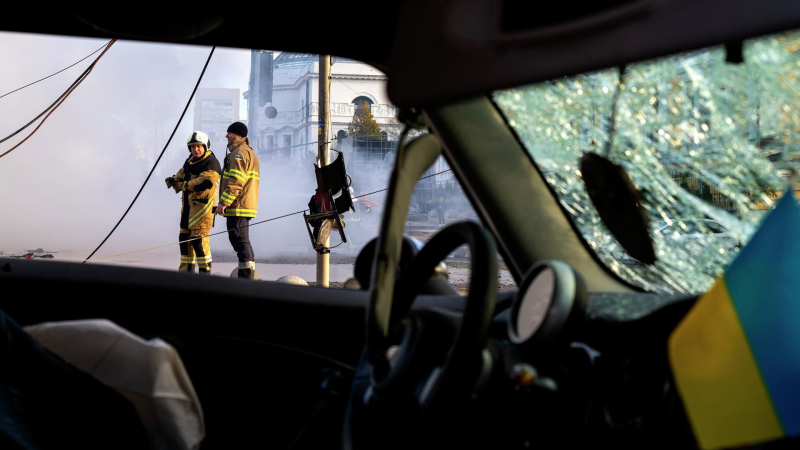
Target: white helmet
(198,137)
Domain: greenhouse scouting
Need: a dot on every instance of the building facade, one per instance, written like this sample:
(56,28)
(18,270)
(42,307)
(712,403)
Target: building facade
(295,94)
(292,134)
(214,111)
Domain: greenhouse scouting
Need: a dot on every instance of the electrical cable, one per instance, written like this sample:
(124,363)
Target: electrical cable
(245,226)
(65,68)
(348,87)
(198,237)
(191,97)
(60,97)
(55,104)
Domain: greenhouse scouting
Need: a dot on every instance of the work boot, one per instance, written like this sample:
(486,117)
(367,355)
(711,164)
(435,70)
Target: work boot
(247,270)
(205,270)
(246,273)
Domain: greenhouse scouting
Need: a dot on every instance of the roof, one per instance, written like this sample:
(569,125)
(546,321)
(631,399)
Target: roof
(289,59)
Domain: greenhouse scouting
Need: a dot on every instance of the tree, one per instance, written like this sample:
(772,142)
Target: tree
(363,123)
(394,128)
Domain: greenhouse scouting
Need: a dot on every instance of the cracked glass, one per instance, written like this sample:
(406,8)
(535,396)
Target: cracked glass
(710,144)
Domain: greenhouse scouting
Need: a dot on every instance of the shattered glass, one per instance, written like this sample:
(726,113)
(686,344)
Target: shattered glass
(710,144)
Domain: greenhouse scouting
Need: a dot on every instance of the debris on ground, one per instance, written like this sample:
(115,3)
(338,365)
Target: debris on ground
(30,255)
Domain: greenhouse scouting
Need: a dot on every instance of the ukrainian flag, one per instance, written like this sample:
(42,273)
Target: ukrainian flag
(736,355)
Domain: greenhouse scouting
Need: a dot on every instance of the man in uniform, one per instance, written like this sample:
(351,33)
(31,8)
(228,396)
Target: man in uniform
(239,195)
(197,180)
(440,210)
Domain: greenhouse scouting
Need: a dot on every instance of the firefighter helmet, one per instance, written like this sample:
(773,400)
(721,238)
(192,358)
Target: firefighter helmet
(198,137)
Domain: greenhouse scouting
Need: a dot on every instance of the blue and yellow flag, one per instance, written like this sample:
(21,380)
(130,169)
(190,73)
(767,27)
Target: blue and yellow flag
(736,355)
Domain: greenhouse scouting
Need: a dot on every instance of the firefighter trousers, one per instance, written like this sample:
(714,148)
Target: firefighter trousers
(239,237)
(194,252)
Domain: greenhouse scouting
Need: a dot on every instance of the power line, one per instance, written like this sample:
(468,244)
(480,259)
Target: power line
(345,85)
(55,104)
(159,156)
(65,68)
(245,226)
(381,190)
(196,237)
(60,97)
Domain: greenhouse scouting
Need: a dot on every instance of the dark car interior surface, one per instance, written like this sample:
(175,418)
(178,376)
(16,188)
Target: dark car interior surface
(576,357)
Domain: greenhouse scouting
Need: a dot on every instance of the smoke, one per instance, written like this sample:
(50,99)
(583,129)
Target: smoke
(71,181)
(67,186)
(286,187)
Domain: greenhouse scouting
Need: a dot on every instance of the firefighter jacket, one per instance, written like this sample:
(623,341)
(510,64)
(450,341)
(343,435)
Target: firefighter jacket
(200,182)
(239,188)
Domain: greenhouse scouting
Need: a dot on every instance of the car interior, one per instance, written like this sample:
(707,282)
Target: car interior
(577,356)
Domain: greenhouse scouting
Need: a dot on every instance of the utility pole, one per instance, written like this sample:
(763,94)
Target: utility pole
(323,259)
(252,97)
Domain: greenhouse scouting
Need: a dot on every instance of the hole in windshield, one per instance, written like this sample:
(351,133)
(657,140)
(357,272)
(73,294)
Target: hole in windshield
(711,146)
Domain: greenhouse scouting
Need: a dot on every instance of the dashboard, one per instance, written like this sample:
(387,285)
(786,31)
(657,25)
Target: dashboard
(585,368)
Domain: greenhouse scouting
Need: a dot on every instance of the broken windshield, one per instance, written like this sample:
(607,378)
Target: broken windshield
(709,142)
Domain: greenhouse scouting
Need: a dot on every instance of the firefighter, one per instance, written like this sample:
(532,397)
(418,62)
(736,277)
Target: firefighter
(198,181)
(238,200)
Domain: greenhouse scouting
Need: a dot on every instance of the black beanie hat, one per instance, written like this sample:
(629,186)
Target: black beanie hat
(238,128)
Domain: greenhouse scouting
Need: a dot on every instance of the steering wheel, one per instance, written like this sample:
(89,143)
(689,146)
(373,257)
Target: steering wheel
(432,359)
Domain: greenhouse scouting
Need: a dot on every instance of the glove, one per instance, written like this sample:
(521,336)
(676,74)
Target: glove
(170,181)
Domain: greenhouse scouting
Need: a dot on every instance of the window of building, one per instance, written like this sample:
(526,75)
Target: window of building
(362,100)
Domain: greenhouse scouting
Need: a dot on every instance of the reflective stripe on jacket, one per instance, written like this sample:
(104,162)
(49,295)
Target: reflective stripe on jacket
(200,182)
(240,179)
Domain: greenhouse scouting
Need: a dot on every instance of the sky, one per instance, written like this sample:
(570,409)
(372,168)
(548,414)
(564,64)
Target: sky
(73,179)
